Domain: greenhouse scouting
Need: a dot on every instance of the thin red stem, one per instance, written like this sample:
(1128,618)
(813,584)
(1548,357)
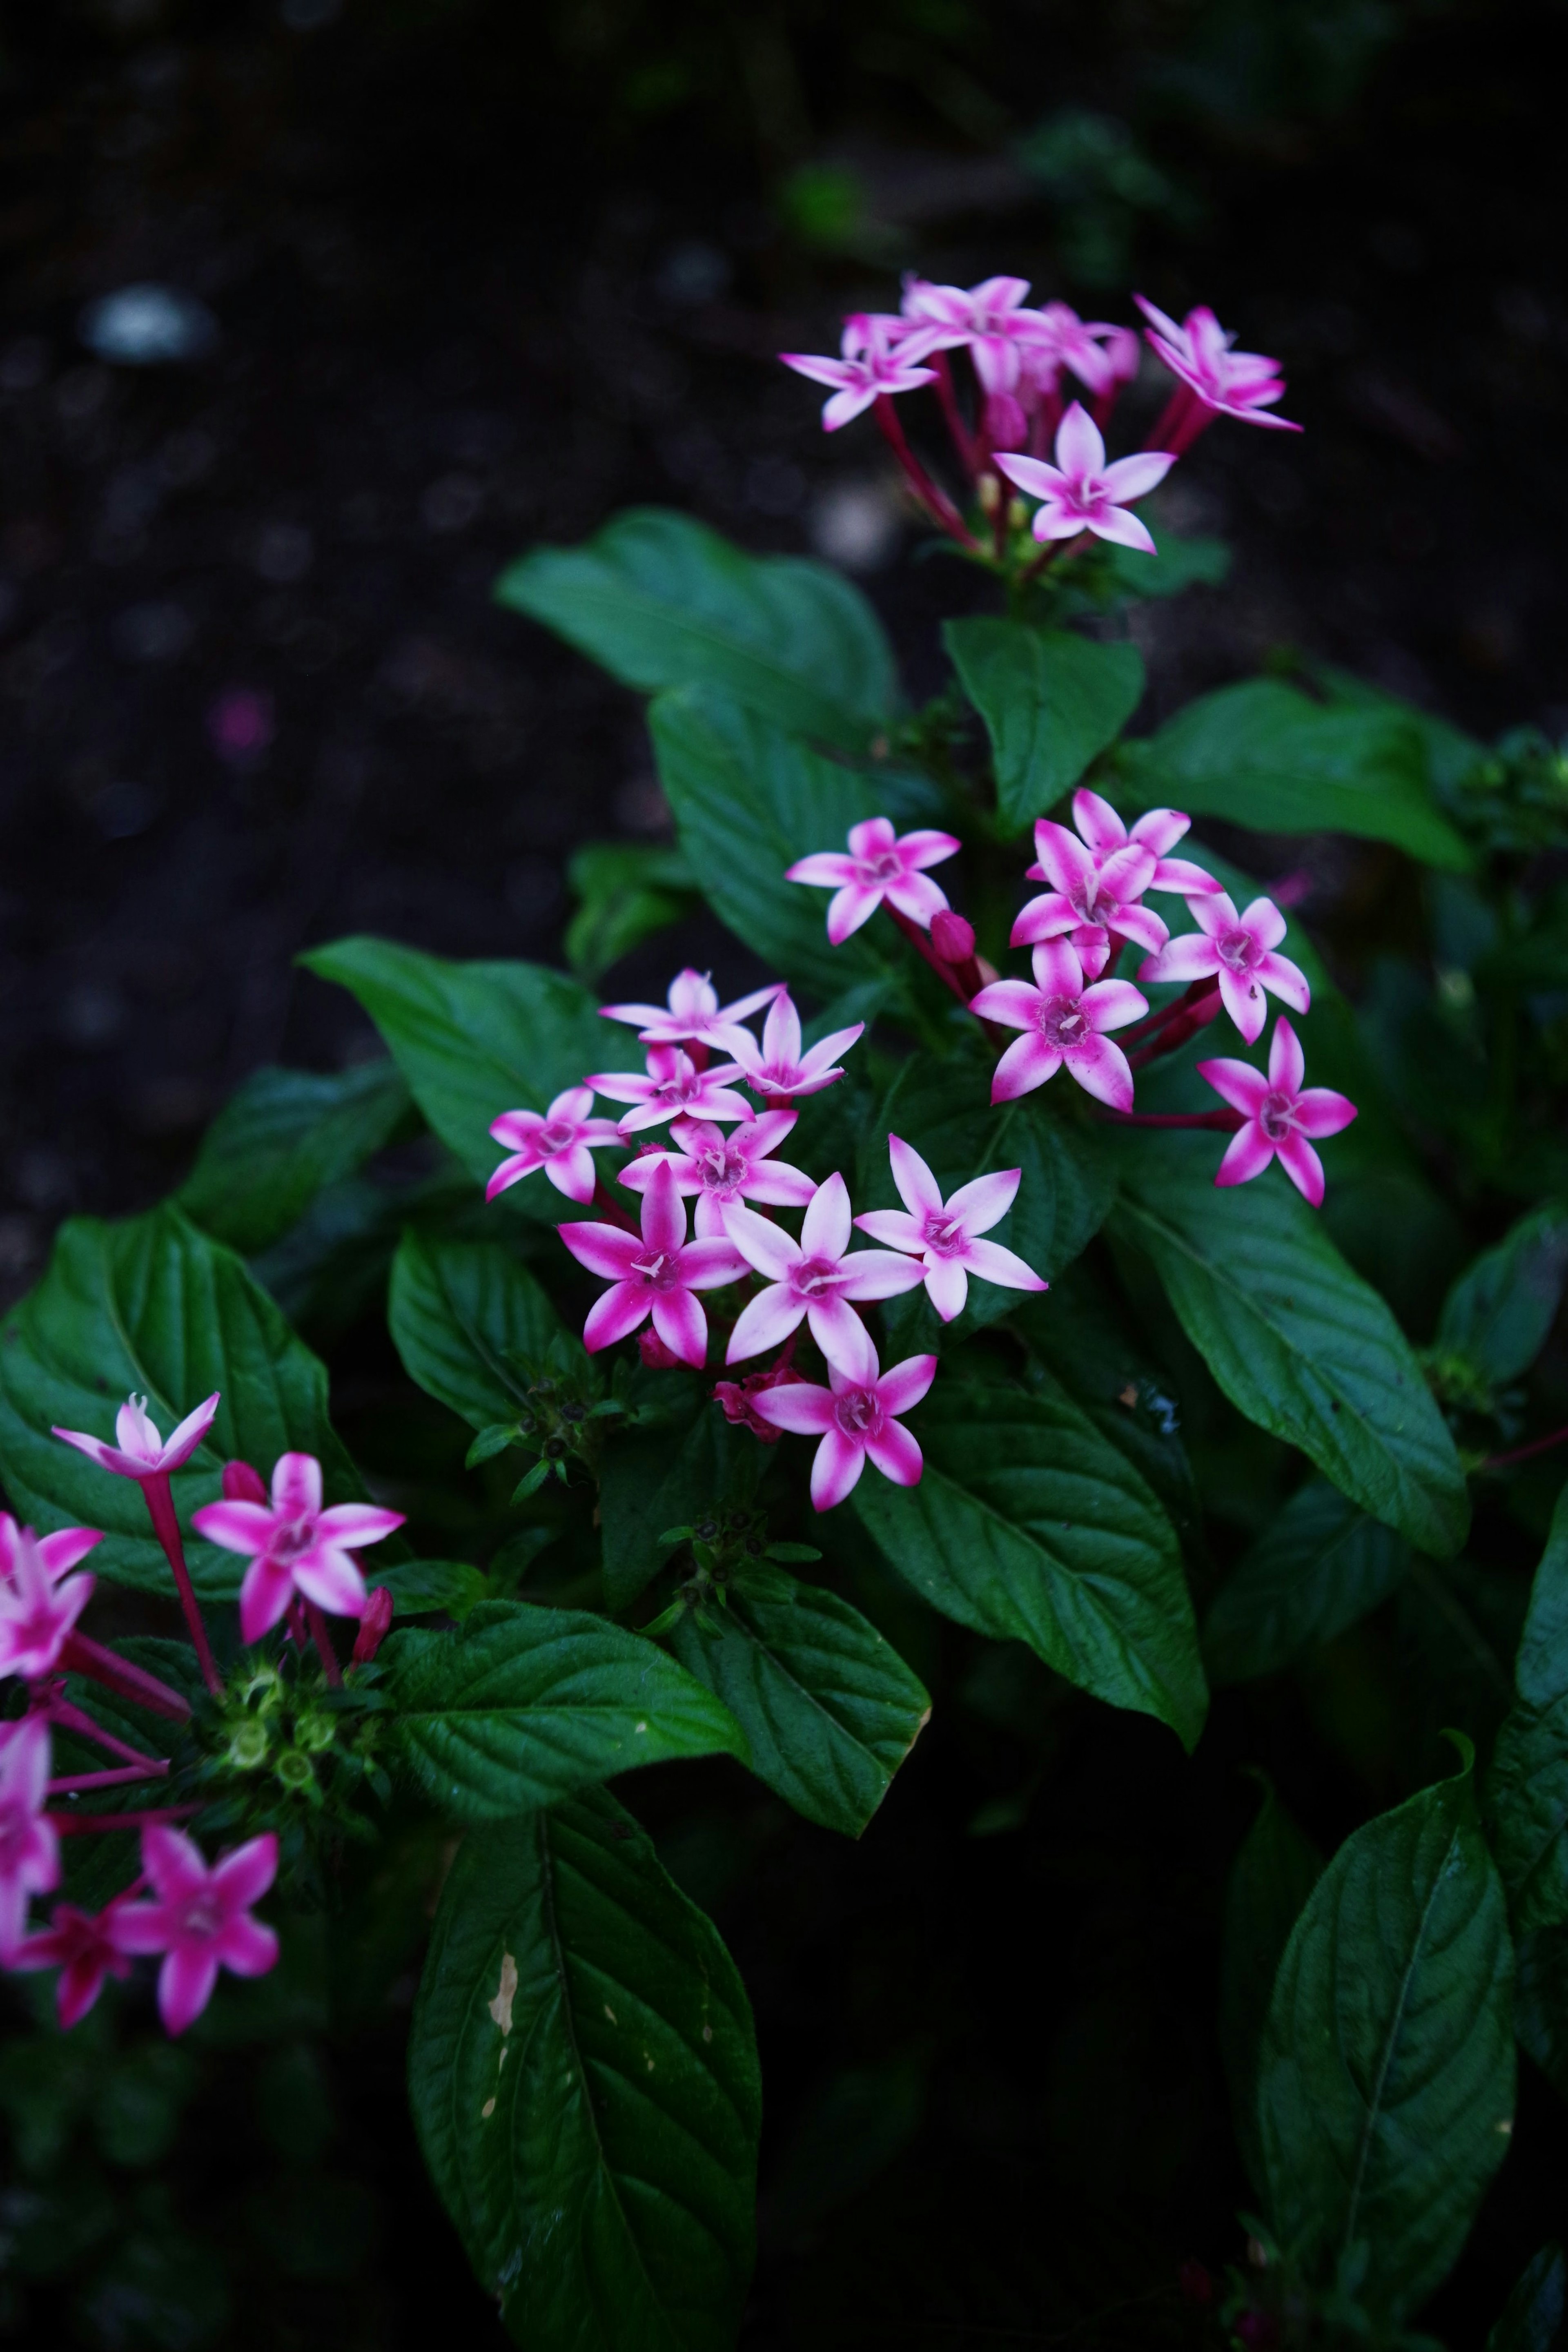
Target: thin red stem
(323,1640)
(79,1824)
(72,1718)
(1170,419)
(70,1781)
(604,1197)
(83,1655)
(963,439)
(166,1525)
(937,502)
(1523,1453)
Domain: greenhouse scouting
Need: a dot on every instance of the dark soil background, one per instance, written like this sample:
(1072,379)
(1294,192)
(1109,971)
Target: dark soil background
(482,274)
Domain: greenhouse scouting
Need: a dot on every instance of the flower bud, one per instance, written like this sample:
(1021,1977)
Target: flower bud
(952,937)
(654,1353)
(242,1484)
(373,1624)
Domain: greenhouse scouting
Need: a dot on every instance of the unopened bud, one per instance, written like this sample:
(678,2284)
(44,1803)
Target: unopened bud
(654,1353)
(242,1484)
(991,493)
(373,1624)
(951,936)
(1018,514)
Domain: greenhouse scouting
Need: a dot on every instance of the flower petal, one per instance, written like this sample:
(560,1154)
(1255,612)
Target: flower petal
(330,1577)
(237,1527)
(917,1188)
(1244,1001)
(1028,1062)
(1247,1155)
(1236,1083)
(295,1485)
(826,1225)
(1286,1062)
(65,1547)
(1116,524)
(1287,979)
(184,1439)
(185,1984)
(1320,1111)
(244,1876)
(761,1243)
(878,1273)
(618,1311)
(984,1200)
(605,1250)
(268,1589)
(1098,821)
(682,1326)
(248,1947)
(1302,1166)
(896,1455)
(895,1228)
(1112,1004)
(1192,956)
(799,1406)
(1100,1069)
(173,1862)
(946,1287)
(1127,479)
(902,1386)
(763,1322)
(836,1469)
(1012,1002)
(663,1212)
(992,1262)
(1079,446)
(855,904)
(350,1524)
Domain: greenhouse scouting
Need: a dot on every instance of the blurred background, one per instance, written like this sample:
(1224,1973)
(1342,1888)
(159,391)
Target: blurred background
(315,312)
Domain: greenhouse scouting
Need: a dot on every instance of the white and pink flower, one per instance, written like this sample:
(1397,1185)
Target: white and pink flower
(1065,1015)
(41,1601)
(139,1452)
(1081,492)
(811,1280)
(694,1014)
(944,1235)
(673,1087)
(778,1066)
(880,865)
(294,1545)
(1228,383)
(877,356)
(856,1416)
(200,1918)
(1283,1117)
(721,1168)
(29,1845)
(1237,952)
(654,1274)
(560,1140)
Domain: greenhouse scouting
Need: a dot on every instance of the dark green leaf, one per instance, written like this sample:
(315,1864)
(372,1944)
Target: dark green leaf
(1051,701)
(1265,755)
(1178,564)
(284,1137)
(747,799)
(1028,1527)
(1386,2084)
(526,1704)
(1498,1314)
(474,1040)
(155,1307)
(1321,1565)
(459,1311)
(681,1463)
(1273,1876)
(602,2181)
(1298,1342)
(659,600)
(1540,2003)
(1527,1788)
(421,1588)
(829,1708)
(1531,2318)
(627,890)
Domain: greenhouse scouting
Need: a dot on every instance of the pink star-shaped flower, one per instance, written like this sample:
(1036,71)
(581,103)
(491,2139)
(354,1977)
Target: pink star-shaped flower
(674,1085)
(721,1168)
(1281,1116)
(990,320)
(778,1066)
(811,1280)
(1242,385)
(39,1602)
(855,1416)
(558,1140)
(201,1918)
(1098,875)
(82,1945)
(29,1848)
(877,357)
(944,1235)
(1063,1019)
(295,1546)
(1054,337)
(694,1012)
(1081,491)
(1238,951)
(880,864)
(655,1274)
(140,1453)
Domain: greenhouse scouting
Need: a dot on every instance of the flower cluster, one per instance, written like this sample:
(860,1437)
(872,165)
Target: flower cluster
(1029,363)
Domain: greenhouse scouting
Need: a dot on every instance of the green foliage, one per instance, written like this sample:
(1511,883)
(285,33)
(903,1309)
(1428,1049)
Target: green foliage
(286,1136)
(1319,1567)
(1052,702)
(603,2182)
(1387,2082)
(626,891)
(1496,1318)
(1532,2319)
(1527,1790)
(468,1321)
(1273,1876)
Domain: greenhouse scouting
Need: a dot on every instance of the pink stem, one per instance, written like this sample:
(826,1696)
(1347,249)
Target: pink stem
(83,1655)
(1198,418)
(963,440)
(944,971)
(323,1639)
(604,1197)
(1223,1121)
(1523,1453)
(1194,993)
(1104,406)
(1170,420)
(71,1718)
(79,1824)
(70,1781)
(166,1524)
(937,502)
(1047,417)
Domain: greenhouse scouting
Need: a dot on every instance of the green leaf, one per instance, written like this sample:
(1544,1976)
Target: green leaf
(278,1141)
(1319,1567)
(627,890)
(1527,1788)
(603,2180)
(525,1704)
(676,1467)
(474,1040)
(748,800)
(153,1306)
(1178,564)
(1386,2084)
(1066,1192)
(1273,1874)
(659,600)
(1531,2318)
(1265,755)
(427,1587)
(1540,2003)
(1498,1313)
(1298,1342)
(829,1708)
(1028,1526)
(457,1311)
(1051,701)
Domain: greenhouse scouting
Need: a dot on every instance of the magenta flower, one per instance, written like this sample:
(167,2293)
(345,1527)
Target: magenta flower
(295,1546)
(778,1066)
(1055,337)
(694,1012)
(674,1085)
(721,1168)
(1238,951)
(1063,1020)
(29,1848)
(880,864)
(39,1602)
(1081,491)
(201,1918)
(140,1452)
(856,1416)
(735,1398)
(1281,1116)
(655,1274)
(1099,875)
(81,1945)
(811,1280)
(878,356)
(1243,384)
(990,320)
(944,1235)
(558,1140)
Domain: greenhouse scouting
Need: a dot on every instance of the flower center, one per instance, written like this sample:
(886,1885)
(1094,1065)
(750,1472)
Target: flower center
(1237,950)
(202,1915)
(556,1135)
(685,1088)
(1277,1116)
(724,1170)
(294,1537)
(1061,1023)
(659,1270)
(814,1276)
(858,1412)
(944,1234)
(885,868)
(1086,900)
